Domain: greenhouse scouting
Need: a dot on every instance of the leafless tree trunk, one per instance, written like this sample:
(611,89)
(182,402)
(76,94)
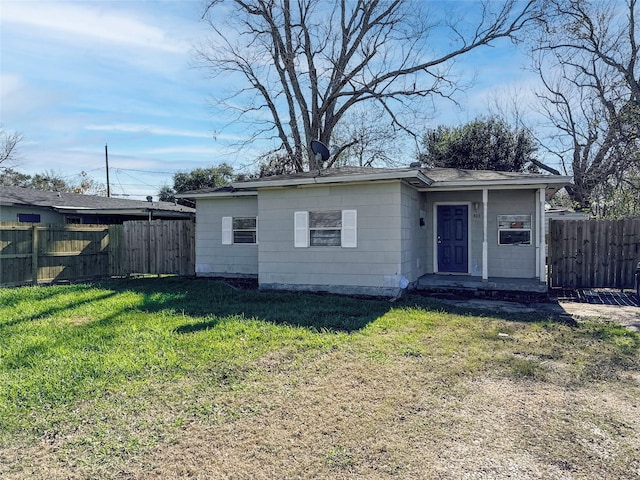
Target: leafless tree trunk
(588,62)
(299,66)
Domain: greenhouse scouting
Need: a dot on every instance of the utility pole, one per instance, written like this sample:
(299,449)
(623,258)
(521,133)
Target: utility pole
(106,159)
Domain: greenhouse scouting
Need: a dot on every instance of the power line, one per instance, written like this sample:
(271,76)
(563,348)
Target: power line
(149,171)
(137,179)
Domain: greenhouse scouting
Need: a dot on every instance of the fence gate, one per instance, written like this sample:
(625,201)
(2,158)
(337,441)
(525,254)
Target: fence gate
(159,247)
(593,253)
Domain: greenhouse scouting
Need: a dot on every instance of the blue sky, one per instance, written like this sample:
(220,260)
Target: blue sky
(78,75)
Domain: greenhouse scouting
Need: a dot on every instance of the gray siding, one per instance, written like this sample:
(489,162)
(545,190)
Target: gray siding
(212,257)
(414,236)
(508,261)
(375,266)
(511,261)
(10,214)
(391,242)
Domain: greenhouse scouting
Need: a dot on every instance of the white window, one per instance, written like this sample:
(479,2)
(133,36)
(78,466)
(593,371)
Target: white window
(331,228)
(514,229)
(239,230)
(325,229)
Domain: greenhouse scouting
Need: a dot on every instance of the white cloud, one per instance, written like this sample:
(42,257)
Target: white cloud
(147,129)
(79,22)
(9,85)
(20,99)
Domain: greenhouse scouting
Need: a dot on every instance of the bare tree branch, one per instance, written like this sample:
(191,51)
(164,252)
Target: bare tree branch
(587,62)
(9,143)
(310,62)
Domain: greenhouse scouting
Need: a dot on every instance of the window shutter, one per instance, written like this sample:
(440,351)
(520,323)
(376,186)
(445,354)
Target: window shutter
(350,228)
(301,229)
(227,230)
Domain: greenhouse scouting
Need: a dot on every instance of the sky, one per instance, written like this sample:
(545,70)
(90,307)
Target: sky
(76,76)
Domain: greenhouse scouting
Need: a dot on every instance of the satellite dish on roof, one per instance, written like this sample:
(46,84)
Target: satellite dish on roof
(319,148)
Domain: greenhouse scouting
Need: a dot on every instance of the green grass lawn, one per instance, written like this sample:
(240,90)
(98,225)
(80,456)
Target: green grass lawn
(120,379)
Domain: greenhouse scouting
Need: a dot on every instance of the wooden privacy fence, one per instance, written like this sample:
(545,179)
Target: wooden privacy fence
(159,247)
(33,253)
(37,253)
(593,253)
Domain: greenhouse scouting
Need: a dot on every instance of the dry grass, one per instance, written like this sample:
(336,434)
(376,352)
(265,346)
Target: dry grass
(343,416)
(418,393)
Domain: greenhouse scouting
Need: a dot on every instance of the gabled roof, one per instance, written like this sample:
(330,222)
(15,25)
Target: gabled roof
(424,179)
(76,203)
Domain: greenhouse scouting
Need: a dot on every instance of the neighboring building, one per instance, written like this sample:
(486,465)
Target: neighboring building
(36,206)
(375,231)
(562,214)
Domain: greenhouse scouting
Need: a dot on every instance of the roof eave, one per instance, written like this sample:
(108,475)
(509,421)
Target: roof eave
(240,193)
(320,180)
(122,211)
(559,181)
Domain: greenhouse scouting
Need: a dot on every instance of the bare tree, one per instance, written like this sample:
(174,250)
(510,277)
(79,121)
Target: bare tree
(588,63)
(304,64)
(365,139)
(9,147)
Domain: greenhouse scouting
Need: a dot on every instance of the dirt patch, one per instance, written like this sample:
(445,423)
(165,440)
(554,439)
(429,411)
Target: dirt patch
(340,418)
(627,316)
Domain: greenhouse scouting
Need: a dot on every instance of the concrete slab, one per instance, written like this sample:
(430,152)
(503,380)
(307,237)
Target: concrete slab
(626,315)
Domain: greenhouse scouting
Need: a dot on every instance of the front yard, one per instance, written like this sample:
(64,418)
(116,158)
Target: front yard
(175,378)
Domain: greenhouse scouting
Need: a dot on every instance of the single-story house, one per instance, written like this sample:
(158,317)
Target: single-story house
(375,231)
(36,206)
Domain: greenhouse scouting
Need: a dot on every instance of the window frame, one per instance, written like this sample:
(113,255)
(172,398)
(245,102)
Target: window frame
(335,237)
(520,223)
(229,230)
(348,229)
(29,218)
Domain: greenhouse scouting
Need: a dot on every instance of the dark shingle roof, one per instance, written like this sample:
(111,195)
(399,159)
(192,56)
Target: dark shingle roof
(435,175)
(419,177)
(62,200)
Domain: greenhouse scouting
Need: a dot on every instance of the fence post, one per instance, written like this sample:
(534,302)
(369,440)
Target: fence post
(34,254)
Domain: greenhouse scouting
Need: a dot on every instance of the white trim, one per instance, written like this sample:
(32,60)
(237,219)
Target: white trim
(485,234)
(532,241)
(203,195)
(541,226)
(435,236)
(320,179)
(479,183)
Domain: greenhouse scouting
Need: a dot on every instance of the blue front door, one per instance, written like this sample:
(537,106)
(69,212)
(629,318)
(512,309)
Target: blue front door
(453,238)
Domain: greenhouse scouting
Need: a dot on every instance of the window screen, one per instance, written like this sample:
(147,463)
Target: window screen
(514,229)
(325,228)
(244,230)
(333,228)
(239,230)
